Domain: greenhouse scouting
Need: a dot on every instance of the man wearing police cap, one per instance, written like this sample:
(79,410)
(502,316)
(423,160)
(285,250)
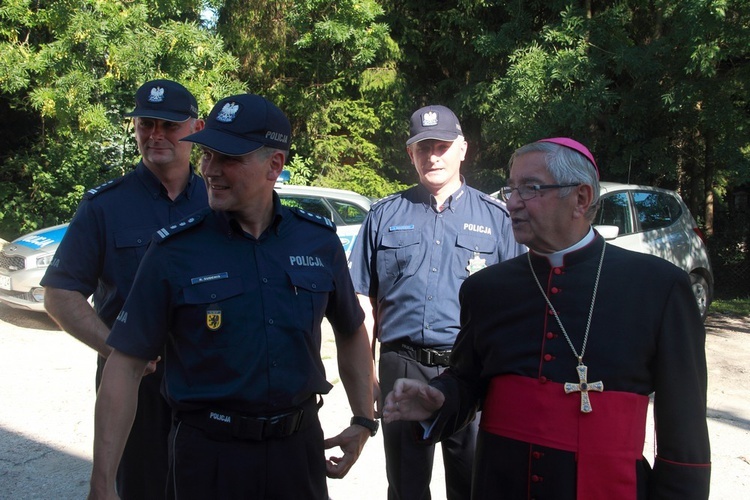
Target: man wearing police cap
(236,293)
(413,252)
(101,251)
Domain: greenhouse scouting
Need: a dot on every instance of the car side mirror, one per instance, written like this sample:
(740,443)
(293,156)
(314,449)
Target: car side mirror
(608,232)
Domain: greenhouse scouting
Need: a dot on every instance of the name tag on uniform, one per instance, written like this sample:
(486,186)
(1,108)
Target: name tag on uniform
(410,227)
(208,277)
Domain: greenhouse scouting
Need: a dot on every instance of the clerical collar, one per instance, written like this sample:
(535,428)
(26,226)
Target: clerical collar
(556,258)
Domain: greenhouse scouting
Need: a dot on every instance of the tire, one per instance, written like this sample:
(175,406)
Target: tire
(701,292)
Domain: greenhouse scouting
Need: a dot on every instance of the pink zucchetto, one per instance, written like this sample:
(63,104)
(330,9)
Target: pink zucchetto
(575,145)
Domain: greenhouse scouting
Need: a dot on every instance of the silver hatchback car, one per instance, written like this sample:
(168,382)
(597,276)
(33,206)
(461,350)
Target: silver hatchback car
(656,221)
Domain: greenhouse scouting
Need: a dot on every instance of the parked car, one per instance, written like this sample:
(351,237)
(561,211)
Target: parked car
(346,209)
(656,221)
(24,260)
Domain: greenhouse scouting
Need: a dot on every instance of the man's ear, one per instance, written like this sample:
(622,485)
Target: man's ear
(275,165)
(584,197)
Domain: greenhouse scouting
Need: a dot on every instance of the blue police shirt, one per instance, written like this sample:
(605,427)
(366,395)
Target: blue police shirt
(240,316)
(412,258)
(110,232)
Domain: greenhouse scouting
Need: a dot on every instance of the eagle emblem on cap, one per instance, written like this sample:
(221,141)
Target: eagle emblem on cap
(429,119)
(156,95)
(228,113)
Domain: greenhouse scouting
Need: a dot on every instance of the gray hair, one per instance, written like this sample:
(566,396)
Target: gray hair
(566,166)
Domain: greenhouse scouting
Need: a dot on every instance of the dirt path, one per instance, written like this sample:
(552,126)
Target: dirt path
(47,397)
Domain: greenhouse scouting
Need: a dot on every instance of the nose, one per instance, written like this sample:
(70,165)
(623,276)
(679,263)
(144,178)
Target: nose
(513,201)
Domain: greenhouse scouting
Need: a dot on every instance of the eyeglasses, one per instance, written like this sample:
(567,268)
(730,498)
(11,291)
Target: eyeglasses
(529,191)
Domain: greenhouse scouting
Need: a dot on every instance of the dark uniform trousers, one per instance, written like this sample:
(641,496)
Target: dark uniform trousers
(207,462)
(409,462)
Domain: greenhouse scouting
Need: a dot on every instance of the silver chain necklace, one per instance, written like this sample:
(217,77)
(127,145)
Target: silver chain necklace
(583,386)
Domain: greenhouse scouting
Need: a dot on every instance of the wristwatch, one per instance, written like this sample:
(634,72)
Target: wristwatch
(372,425)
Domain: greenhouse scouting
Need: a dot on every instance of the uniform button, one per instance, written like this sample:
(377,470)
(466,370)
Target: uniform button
(554,289)
(536,455)
(551,312)
(429,297)
(213,295)
(314,286)
(437,242)
(265,280)
(543,379)
(139,240)
(270,322)
(434,269)
(548,357)
(536,479)
(557,271)
(550,335)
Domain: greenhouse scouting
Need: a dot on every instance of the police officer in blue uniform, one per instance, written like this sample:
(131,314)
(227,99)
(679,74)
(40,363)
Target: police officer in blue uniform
(236,294)
(103,246)
(412,254)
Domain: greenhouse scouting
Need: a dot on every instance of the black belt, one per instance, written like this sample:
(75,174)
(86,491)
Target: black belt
(424,355)
(226,425)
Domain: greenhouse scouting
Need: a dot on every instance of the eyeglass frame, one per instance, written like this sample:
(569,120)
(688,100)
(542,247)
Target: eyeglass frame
(532,190)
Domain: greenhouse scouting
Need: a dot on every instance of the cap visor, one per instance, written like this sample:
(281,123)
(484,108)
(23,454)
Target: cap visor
(159,115)
(223,142)
(436,135)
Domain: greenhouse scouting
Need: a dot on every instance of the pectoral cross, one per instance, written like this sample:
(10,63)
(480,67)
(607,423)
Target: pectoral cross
(583,386)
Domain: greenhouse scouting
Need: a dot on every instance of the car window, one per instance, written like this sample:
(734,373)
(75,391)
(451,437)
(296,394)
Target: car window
(656,210)
(308,203)
(349,212)
(614,211)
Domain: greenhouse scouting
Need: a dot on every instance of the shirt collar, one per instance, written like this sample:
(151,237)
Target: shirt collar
(450,202)
(556,258)
(154,186)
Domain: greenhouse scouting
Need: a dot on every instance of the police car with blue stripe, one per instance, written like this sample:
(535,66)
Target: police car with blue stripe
(23,262)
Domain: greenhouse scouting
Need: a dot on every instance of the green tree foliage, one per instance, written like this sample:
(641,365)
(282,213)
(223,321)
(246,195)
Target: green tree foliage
(68,72)
(330,65)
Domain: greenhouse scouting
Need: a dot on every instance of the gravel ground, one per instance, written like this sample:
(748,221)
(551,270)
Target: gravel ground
(47,399)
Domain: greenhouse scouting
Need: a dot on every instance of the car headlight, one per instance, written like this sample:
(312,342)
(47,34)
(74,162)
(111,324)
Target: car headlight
(44,260)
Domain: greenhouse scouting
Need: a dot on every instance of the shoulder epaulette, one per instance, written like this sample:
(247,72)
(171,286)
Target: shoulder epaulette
(494,202)
(178,227)
(95,191)
(384,199)
(311,217)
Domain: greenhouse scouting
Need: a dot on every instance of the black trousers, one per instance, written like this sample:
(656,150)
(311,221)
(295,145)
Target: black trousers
(142,474)
(289,468)
(409,463)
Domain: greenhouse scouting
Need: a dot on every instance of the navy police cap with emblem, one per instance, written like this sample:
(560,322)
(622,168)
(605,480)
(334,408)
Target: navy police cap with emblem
(240,124)
(434,122)
(164,100)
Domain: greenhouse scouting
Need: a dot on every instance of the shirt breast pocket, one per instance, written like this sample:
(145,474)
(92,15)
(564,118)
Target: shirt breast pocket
(311,289)
(212,304)
(399,254)
(131,245)
(473,253)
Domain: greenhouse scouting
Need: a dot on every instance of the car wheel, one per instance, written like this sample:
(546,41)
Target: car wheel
(701,293)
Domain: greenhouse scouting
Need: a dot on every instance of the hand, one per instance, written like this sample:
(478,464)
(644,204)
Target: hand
(351,441)
(151,366)
(411,400)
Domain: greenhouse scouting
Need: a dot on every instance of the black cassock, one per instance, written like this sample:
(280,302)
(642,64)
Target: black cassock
(646,336)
